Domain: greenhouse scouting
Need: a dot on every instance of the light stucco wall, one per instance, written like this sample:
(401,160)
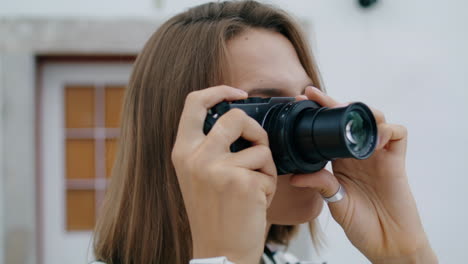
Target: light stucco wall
(18,152)
(22,40)
(2,173)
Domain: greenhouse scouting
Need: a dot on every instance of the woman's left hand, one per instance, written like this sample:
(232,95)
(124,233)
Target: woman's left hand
(378,213)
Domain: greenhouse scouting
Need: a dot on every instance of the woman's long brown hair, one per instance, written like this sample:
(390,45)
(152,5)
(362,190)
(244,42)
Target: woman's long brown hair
(143,219)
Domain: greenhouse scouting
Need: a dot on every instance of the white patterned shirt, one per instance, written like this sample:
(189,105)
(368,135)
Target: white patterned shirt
(271,256)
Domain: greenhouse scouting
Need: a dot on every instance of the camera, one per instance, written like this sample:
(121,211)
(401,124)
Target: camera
(303,135)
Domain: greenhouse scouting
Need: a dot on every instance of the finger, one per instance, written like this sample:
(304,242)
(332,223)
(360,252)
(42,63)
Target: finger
(267,184)
(258,162)
(301,97)
(196,106)
(328,185)
(392,137)
(385,133)
(341,105)
(321,98)
(257,157)
(378,115)
(324,181)
(232,125)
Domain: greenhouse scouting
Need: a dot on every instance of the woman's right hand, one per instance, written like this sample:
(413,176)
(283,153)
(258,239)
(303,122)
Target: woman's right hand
(226,195)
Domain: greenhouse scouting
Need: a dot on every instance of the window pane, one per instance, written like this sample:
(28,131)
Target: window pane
(79,106)
(80,210)
(80,159)
(114,101)
(111,148)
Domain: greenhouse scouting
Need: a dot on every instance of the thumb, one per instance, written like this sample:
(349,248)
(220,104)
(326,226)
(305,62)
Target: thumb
(324,181)
(327,185)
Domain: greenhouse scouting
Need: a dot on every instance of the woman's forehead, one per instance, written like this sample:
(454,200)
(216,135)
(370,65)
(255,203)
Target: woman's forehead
(261,58)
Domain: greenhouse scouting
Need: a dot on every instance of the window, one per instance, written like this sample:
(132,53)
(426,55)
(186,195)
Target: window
(92,121)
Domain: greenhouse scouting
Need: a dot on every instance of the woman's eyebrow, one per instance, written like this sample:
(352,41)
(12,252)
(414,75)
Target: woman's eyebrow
(267,91)
(272,91)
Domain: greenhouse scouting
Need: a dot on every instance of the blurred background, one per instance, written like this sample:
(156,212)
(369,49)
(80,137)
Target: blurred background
(64,66)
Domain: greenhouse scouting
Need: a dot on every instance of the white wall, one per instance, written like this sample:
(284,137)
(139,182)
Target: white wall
(2,181)
(408,58)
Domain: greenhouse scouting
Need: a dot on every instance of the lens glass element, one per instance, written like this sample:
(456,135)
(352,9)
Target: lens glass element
(357,130)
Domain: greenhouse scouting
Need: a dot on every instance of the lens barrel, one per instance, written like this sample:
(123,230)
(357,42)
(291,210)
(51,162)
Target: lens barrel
(331,133)
(304,136)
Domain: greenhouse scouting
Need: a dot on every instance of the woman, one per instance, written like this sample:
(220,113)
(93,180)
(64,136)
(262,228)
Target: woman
(177,194)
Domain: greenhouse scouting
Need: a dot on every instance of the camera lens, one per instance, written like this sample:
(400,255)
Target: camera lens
(304,136)
(357,131)
(330,133)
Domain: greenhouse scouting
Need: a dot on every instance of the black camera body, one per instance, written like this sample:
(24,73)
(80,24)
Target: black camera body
(304,136)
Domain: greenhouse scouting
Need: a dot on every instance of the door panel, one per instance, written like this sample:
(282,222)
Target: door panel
(80,119)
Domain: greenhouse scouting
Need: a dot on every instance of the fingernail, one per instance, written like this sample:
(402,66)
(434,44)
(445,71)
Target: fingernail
(317,89)
(342,105)
(242,92)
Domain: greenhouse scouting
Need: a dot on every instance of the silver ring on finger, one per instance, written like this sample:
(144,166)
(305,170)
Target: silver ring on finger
(338,196)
